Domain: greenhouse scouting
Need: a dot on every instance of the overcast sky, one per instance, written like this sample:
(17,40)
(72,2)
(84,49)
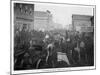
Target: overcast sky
(62,13)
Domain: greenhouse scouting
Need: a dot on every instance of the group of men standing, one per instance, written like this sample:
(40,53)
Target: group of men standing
(68,51)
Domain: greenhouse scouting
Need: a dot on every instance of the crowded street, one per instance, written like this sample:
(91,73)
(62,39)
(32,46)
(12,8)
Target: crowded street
(37,49)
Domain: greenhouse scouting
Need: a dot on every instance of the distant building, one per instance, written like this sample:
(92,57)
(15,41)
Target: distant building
(82,23)
(59,31)
(23,15)
(92,21)
(69,27)
(43,20)
(57,26)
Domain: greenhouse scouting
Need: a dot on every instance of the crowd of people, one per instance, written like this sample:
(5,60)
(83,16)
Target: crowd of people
(38,50)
